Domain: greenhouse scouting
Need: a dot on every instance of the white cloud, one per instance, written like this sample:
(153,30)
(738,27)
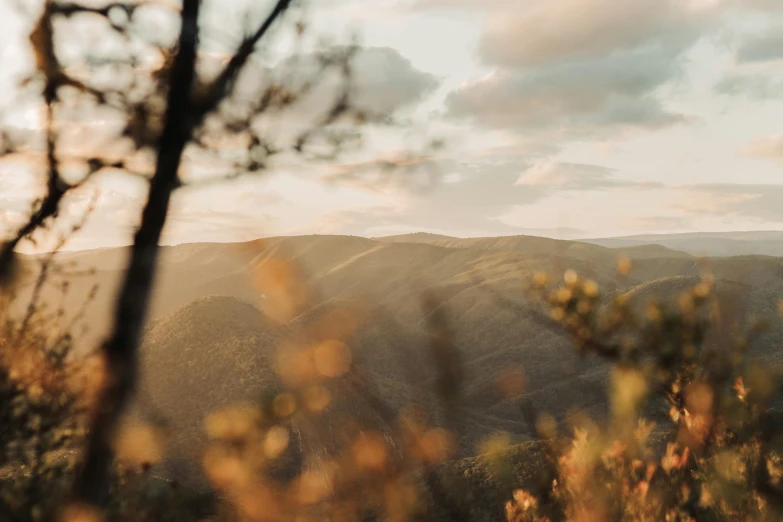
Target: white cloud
(477,198)
(757,86)
(660,223)
(600,97)
(566,176)
(557,176)
(756,202)
(600,69)
(382,82)
(767,46)
(537,33)
(770,6)
(472,204)
(582,69)
(768,148)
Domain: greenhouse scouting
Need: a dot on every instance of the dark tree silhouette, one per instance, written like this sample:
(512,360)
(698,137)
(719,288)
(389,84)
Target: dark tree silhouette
(165,112)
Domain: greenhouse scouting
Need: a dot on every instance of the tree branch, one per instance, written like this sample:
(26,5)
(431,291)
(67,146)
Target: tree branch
(120,350)
(223,84)
(42,39)
(56,189)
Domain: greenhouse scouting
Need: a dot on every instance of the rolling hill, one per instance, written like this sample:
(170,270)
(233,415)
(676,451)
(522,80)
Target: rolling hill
(217,326)
(710,244)
(534,244)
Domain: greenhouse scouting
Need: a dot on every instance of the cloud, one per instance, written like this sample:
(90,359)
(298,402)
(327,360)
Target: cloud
(756,202)
(760,5)
(379,82)
(399,172)
(631,10)
(239,210)
(382,9)
(601,69)
(768,148)
(762,48)
(231,211)
(538,33)
(471,204)
(383,81)
(608,94)
(557,176)
(382,221)
(387,81)
(203,224)
(659,223)
(755,73)
(474,198)
(452,4)
(581,69)
(754,86)
(10,220)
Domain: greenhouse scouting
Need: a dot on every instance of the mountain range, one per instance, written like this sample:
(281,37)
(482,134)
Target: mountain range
(226,318)
(766,242)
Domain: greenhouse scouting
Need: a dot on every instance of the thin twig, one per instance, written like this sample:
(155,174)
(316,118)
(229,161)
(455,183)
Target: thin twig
(224,83)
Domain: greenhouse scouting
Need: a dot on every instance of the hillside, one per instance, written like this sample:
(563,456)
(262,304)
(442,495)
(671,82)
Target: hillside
(769,243)
(538,245)
(217,326)
(209,354)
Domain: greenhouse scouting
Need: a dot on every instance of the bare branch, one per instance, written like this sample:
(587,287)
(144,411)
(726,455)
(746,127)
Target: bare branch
(224,83)
(120,350)
(70,8)
(46,264)
(42,40)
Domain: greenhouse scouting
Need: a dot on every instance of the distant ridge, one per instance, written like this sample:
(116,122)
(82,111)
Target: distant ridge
(700,244)
(739,235)
(756,242)
(413,236)
(539,245)
(761,242)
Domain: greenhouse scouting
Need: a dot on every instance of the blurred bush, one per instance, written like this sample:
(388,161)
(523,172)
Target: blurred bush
(693,431)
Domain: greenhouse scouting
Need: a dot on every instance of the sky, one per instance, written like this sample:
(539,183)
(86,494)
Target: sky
(563,118)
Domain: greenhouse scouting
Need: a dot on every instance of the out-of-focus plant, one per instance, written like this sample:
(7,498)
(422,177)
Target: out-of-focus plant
(45,395)
(285,459)
(164,107)
(717,457)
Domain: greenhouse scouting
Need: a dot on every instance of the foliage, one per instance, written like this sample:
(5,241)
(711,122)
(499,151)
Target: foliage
(42,411)
(718,459)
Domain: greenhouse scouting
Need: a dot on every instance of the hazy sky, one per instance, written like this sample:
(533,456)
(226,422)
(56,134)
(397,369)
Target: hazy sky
(567,118)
